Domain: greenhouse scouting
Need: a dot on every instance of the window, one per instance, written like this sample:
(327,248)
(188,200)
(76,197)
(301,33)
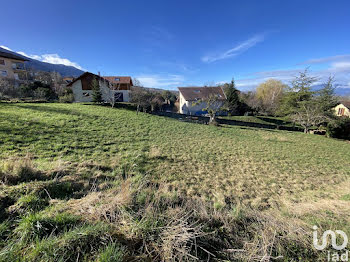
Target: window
(341,111)
(197,91)
(3,73)
(117,79)
(2,62)
(16,76)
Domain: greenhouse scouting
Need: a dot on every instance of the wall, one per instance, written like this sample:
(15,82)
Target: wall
(346,110)
(189,108)
(80,94)
(8,67)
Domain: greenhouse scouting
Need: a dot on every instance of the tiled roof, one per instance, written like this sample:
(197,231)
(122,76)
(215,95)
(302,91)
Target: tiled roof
(197,93)
(83,75)
(12,56)
(122,79)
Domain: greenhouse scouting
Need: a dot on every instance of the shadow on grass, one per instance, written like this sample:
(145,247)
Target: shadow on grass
(205,120)
(50,109)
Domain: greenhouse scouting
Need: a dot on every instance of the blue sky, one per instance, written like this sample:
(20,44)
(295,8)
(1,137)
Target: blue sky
(167,44)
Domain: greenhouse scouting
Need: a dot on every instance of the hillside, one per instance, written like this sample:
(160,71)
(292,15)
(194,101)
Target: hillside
(103,182)
(47,67)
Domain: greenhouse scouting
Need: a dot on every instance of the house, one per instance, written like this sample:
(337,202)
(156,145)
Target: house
(82,89)
(343,109)
(190,98)
(68,79)
(12,67)
(120,82)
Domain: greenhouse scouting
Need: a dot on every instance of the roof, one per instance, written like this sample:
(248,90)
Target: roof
(84,75)
(12,56)
(122,79)
(197,93)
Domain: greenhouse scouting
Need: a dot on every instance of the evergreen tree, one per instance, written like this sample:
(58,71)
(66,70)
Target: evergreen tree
(232,97)
(96,91)
(326,97)
(299,92)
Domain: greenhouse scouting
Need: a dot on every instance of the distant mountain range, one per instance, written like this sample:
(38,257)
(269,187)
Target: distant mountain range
(340,91)
(47,67)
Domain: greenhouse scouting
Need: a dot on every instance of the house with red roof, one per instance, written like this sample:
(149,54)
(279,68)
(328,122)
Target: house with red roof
(112,87)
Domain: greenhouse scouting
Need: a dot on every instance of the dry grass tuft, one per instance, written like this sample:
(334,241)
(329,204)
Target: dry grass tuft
(16,170)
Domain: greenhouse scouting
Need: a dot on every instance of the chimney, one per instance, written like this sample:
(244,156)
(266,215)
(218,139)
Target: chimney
(99,74)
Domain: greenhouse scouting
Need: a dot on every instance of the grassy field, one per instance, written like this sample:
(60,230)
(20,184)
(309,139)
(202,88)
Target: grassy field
(267,120)
(117,185)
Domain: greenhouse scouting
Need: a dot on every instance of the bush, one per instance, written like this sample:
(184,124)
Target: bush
(339,128)
(68,98)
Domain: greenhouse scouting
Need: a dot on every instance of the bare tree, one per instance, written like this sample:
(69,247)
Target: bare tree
(214,104)
(111,93)
(141,97)
(156,101)
(309,114)
(136,82)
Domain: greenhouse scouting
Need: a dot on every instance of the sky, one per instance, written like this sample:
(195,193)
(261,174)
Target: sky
(166,44)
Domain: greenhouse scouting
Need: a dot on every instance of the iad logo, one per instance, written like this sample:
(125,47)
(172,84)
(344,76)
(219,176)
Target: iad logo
(332,256)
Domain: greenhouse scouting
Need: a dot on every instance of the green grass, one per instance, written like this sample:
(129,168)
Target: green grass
(81,149)
(266,120)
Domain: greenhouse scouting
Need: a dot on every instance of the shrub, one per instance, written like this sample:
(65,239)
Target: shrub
(68,98)
(339,128)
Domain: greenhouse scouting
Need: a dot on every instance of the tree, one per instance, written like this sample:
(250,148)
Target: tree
(249,102)
(309,114)
(136,82)
(300,91)
(156,101)
(141,97)
(96,91)
(232,97)
(327,98)
(110,93)
(214,105)
(270,94)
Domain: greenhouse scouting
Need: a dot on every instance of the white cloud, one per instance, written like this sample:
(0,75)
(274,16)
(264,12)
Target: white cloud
(242,47)
(49,58)
(327,59)
(5,47)
(161,81)
(37,57)
(340,66)
(56,59)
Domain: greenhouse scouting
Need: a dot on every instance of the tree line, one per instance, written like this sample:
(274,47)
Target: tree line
(297,102)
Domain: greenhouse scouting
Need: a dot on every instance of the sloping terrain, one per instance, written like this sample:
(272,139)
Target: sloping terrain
(108,182)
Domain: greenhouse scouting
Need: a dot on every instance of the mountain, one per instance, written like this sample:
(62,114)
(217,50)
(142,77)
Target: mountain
(47,67)
(339,90)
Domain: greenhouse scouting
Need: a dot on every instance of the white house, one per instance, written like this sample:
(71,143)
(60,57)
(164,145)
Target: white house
(190,98)
(342,109)
(118,90)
